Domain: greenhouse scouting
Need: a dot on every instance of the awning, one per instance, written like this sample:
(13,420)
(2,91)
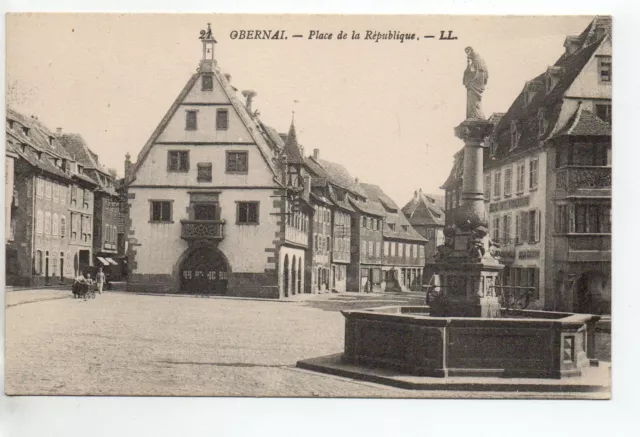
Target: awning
(103,261)
(110,261)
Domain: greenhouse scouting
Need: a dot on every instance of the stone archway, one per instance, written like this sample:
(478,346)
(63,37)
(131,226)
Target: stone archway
(204,270)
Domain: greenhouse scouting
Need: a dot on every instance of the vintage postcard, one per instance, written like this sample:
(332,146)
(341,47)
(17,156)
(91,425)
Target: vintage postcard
(308,206)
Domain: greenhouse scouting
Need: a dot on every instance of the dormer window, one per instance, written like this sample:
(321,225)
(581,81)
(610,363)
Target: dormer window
(39,154)
(25,131)
(552,77)
(542,122)
(51,141)
(530,90)
(10,123)
(571,45)
(23,147)
(80,168)
(515,134)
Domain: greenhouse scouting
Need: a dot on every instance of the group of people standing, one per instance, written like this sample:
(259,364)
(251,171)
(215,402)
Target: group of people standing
(99,281)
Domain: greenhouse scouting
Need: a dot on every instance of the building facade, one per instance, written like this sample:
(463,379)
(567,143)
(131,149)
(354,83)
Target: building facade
(52,208)
(547,179)
(106,204)
(209,198)
(403,249)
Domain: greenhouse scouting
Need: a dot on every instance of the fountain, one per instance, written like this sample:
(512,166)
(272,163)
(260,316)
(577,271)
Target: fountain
(465,331)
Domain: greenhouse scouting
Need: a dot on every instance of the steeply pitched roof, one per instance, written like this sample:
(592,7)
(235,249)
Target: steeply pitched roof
(291,147)
(375,192)
(77,147)
(585,123)
(250,123)
(424,209)
(392,216)
(526,116)
(39,137)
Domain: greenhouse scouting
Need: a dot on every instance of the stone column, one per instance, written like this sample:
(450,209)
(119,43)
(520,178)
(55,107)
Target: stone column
(465,263)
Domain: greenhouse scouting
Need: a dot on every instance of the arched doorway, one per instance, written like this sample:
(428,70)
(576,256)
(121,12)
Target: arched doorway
(285,276)
(294,275)
(205,271)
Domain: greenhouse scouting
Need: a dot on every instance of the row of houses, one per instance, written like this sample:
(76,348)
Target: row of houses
(61,207)
(219,202)
(547,179)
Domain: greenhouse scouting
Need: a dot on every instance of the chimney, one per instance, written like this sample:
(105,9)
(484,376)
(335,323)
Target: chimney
(58,131)
(249,94)
(316,154)
(127,165)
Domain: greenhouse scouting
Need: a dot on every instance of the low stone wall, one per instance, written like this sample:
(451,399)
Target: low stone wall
(545,345)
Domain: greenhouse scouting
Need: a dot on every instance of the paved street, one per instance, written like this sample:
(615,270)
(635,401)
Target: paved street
(127,344)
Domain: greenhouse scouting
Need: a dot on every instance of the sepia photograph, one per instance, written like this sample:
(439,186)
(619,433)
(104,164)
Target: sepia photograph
(308,206)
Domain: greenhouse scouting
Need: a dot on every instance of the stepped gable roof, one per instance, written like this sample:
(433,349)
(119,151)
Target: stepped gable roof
(585,123)
(551,102)
(40,137)
(455,175)
(291,148)
(424,209)
(392,216)
(250,123)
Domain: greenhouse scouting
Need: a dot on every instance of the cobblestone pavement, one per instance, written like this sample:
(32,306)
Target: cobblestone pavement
(126,344)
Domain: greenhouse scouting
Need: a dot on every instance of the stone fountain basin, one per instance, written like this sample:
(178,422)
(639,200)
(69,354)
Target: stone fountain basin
(525,343)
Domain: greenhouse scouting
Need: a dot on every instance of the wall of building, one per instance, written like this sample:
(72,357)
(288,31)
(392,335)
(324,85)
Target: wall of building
(522,254)
(293,282)
(259,174)
(158,246)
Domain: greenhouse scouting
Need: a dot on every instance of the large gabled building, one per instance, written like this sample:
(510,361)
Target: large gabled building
(211,198)
(547,179)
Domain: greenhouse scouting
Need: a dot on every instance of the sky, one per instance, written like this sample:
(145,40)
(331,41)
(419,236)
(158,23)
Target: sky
(384,110)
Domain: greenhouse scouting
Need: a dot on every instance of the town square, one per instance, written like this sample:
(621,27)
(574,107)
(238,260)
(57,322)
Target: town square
(428,221)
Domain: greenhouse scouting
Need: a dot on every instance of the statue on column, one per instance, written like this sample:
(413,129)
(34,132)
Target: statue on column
(475,80)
